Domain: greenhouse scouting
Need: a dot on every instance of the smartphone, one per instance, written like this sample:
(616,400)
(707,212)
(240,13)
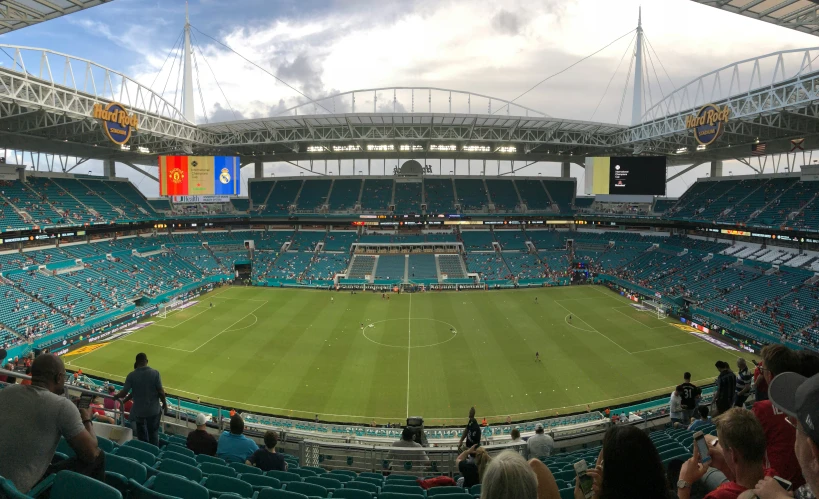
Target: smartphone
(702,447)
(583,478)
(85,401)
(783,483)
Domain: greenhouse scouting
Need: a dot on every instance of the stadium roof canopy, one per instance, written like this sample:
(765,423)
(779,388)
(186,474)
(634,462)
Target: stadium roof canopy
(16,14)
(800,15)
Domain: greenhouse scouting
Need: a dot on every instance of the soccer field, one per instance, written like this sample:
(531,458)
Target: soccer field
(302,353)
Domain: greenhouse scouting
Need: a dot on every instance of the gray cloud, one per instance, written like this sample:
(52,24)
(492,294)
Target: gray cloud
(220,113)
(507,23)
(301,74)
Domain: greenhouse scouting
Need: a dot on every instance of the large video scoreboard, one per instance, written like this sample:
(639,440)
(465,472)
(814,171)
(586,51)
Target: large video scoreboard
(640,175)
(199,175)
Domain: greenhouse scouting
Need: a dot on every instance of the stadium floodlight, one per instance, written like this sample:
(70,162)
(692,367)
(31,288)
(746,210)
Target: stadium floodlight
(443,147)
(701,147)
(476,149)
(507,149)
(410,148)
(347,148)
(380,147)
(143,150)
(315,148)
(682,150)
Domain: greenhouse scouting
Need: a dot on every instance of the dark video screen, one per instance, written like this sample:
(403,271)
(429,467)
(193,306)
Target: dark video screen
(640,175)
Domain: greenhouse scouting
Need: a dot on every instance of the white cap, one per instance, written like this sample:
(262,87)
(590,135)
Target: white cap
(201,419)
(538,427)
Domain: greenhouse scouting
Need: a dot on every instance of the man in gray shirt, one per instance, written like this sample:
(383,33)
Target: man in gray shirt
(145,387)
(410,457)
(540,445)
(32,420)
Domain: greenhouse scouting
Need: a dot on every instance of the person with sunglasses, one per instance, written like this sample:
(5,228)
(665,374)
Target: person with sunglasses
(33,419)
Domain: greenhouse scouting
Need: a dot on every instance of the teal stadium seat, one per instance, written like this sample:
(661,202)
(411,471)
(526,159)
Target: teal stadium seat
(475,490)
(315,469)
(181,469)
(358,484)
(279,494)
(176,486)
(327,483)
(119,470)
(246,469)
(215,469)
(70,485)
(437,491)
(138,455)
(170,455)
(308,489)
(138,491)
(352,494)
(204,458)
(147,447)
(259,482)
(403,489)
(284,476)
(399,495)
(302,472)
(225,484)
(180,449)
(105,444)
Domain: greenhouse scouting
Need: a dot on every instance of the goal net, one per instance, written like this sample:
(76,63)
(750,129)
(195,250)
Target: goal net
(167,308)
(653,307)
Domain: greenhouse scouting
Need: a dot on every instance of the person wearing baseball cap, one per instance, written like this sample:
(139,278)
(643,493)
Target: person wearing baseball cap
(199,440)
(540,444)
(798,397)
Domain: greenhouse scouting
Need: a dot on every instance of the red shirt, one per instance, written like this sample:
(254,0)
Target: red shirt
(732,490)
(762,386)
(780,437)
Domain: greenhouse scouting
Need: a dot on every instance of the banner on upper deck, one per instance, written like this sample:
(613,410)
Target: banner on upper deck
(199,175)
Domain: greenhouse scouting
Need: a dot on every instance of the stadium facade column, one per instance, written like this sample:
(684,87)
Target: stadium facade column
(109,168)
(716,169)
(258,169)
(565,169)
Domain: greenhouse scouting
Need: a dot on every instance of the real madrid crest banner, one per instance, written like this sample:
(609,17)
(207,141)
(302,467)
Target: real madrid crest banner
(199,175)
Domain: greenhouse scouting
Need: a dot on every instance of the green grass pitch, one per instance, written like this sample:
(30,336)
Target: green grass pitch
(302,353)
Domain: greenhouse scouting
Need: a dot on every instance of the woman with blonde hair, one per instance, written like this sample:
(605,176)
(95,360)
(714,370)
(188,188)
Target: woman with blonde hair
(509,475)
(472,464)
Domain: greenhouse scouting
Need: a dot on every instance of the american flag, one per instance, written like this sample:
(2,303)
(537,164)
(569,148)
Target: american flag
(758,149)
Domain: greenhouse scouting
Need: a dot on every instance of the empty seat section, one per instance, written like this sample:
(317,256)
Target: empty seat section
(313,195)
(407,197)
(510,239)
(340,240)
(344,195)
(422,266)
(533,194)
(503,195)
(439,195)
(452,266)
(471,194)
(477,240)
(362,266)
(390,267)
(377,195)
(282,197)
(562,193)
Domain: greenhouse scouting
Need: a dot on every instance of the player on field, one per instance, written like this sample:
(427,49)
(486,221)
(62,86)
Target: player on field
(570,318)
(332,299)
(362,325)
(535,299)
(537,356)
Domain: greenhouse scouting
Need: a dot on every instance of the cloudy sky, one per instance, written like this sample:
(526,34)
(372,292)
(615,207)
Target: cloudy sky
(322,47)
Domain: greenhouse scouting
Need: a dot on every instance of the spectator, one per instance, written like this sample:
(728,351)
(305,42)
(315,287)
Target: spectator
(508,476)
(33,419)
(703,420)
(472,464)
(408,459)
(267,459)
(233,445)
(726,387)
(540,444)
(690,397)
(110,403)
(760,385)
(740,454)
(744,381)
(632,467)
(199,440)
(798,397)
(808,362)
(780,435)
(144,385)
(675,409)
(28,373)
(515,435)
(472,432)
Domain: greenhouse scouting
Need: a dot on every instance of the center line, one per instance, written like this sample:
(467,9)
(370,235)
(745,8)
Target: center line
(409,348)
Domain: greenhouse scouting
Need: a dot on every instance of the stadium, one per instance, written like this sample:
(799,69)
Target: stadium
(410,263)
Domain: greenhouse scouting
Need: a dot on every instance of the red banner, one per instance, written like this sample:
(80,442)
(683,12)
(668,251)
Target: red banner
(173,175)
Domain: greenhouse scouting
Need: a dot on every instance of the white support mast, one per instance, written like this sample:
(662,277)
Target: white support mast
(637,101)
(187,82)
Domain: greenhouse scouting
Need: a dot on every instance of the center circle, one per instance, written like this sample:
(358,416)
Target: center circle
(417,332)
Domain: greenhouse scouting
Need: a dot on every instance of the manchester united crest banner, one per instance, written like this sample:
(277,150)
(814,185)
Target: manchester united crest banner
(199,175)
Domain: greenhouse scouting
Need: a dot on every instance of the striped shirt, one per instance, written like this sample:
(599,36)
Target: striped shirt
(744,378)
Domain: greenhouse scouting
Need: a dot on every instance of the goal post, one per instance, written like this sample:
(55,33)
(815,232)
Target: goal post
(656,307)
(168,307)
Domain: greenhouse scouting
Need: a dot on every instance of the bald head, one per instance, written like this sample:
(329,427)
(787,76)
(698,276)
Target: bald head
(48,371)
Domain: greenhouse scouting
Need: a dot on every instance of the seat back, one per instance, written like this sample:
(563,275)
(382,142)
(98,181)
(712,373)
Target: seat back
(139,491)
(284,476)
(365,479)
(399,495)
(260,481)
(204,458)
(105,444)
(222,484)
(246,469)
(180,449)
(301,472)
(315,469)
(357,484)
(308,489)
(327,483)
(475,490)
(279,494)
(352,494)
(181,469)
(68,484)
(404,489)
(217,469)
(179,440)
(147,447)
(171,455)
(126,467)
(138,455)
(177,486)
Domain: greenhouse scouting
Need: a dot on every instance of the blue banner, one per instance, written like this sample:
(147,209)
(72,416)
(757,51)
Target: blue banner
(226,172)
